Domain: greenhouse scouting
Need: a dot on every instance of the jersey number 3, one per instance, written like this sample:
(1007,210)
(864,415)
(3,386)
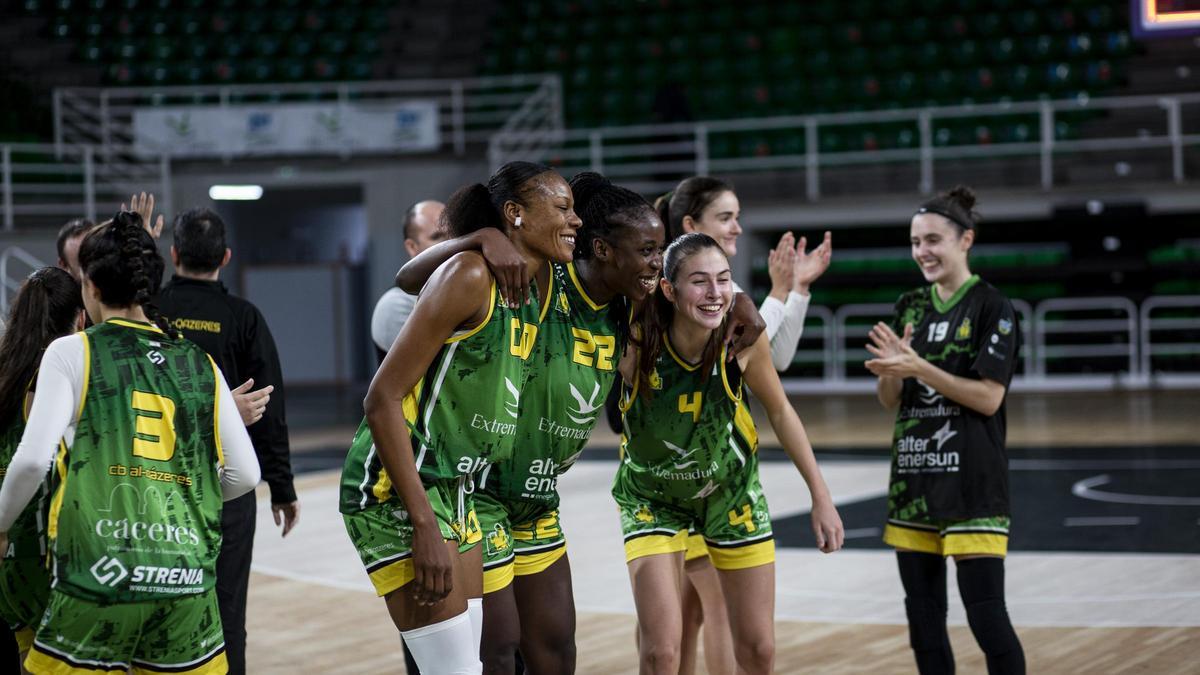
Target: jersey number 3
(154,426)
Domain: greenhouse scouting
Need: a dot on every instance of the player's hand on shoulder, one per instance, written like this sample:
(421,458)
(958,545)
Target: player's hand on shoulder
(507,265)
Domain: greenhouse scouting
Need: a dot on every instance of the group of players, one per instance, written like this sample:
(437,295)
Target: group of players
(544,293)
(127,439)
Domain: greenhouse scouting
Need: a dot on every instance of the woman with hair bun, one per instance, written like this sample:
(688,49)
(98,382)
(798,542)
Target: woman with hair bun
(944,363)
(443,408)
(47,306)
(528,601)
(145,441)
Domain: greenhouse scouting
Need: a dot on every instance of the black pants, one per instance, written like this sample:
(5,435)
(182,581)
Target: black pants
(233,576)
(8,650)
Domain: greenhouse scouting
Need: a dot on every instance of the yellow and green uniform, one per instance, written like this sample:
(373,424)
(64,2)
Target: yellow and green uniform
(462,417)
(948,492)
(134,522)
(24,573)
(570,374)
(689,459)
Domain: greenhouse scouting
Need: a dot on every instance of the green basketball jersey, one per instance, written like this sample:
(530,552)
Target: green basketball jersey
(136,515)
(462,415)
(690,436)
(564,394)
(27,536)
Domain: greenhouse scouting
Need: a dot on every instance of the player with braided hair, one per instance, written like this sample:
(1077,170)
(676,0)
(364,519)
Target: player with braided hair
(47,306)
(148,445)
(527,584)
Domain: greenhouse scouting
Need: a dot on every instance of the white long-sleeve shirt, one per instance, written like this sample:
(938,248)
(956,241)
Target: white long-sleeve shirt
(56,407)
(785,325)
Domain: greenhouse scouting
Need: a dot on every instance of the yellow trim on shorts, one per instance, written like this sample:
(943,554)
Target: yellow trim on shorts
(392,576)
(498,578)
(533,563)
(743,557)
(654,544)
(24,638)
(696,548)
(217,665)
(930,541)
(41,663)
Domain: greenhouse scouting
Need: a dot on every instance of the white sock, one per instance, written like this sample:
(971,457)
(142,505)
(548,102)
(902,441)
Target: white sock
(444,648)
(475,610)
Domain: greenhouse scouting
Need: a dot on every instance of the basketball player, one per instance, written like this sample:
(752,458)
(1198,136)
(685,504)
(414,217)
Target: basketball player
(710,205)
(47,307)
(689,461)
(944,364)
(147,447)
(527,584)
(442,407)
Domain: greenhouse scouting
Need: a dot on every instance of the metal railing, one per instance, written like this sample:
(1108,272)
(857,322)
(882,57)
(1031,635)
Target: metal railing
(1116,349)
(470,110)
(61,182)
(639,155)
(12,282)
(1175,332)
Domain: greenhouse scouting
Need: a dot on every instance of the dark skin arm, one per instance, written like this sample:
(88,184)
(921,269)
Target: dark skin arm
(744,326)
(457,296)
(509,268)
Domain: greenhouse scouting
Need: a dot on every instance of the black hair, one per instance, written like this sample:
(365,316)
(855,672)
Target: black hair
(604,208)
(957,206)
(46,307)
(72,228)
(658,311)
(123,263)
(199,239)
(689,198)
(476,206)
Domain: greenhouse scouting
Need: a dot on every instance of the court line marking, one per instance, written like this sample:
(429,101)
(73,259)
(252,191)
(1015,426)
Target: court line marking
(1086,489)
(1100,521)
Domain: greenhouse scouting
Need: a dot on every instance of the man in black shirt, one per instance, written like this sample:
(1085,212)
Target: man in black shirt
(235,334)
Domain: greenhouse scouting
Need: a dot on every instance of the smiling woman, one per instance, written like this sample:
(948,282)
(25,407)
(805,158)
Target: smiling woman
(690,461)
(945,363)
(434,423)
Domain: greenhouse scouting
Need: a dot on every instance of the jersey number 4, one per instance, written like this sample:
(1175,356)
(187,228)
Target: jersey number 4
(154,426)
(690,403)
(593,350)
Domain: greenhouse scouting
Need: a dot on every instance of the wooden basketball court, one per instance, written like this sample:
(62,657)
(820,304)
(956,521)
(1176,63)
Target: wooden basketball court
(1109,608)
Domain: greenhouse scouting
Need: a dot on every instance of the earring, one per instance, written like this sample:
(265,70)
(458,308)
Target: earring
(517,222)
